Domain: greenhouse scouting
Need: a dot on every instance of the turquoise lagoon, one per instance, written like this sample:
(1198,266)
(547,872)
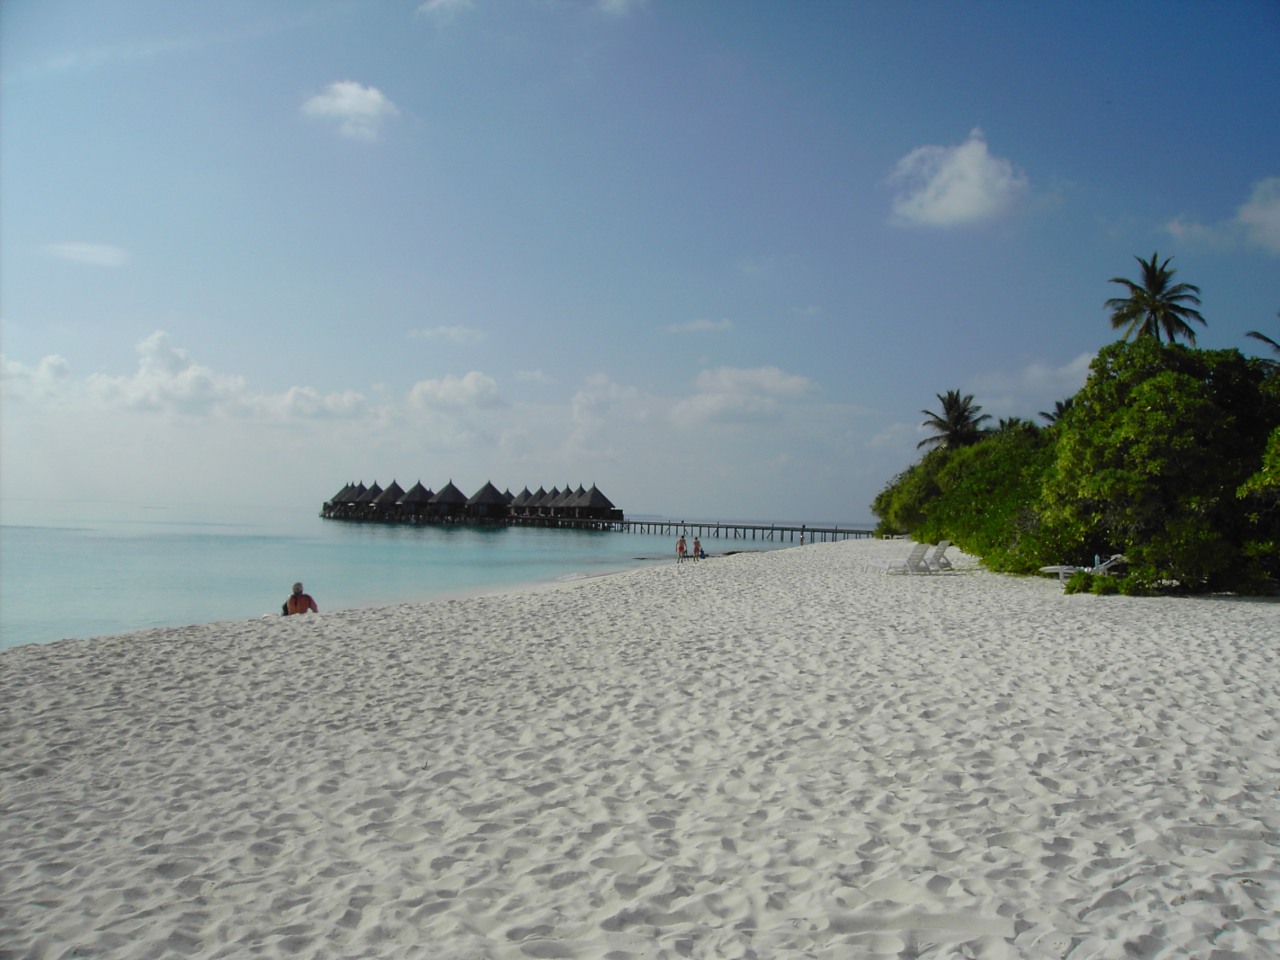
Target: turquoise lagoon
(92,569)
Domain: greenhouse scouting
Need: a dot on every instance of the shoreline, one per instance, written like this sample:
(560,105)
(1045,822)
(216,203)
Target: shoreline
(778,753)
(191,569)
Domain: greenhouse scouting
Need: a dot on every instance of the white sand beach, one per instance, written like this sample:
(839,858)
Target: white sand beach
(763,755)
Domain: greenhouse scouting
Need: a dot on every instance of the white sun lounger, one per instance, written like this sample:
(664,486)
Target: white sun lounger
(936,560)
(914,562)
(1066,571)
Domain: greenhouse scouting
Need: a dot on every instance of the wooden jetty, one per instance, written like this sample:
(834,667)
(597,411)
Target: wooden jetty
(717,530)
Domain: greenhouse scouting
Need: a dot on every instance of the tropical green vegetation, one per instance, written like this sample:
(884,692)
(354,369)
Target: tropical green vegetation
(1168,454)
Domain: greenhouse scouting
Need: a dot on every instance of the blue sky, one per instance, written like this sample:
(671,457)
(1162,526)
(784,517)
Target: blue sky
(714,257)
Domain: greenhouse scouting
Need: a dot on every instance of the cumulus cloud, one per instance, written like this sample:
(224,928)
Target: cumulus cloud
(95,254)
(306,403)
(731,393)
(42,380)
(475,389)
(457,335)
(1260,216)
(955,186)
(1256,223)
(359,110)
(701,326)
(169,380)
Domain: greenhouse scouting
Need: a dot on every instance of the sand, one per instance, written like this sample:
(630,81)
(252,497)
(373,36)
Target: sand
(767,755)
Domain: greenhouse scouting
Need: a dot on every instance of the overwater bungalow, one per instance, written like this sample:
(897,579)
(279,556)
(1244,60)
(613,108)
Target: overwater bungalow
(449,504)
(385,502)
(488,505)
(415,505)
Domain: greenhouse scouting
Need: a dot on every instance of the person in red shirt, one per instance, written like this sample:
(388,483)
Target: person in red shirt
(299,602)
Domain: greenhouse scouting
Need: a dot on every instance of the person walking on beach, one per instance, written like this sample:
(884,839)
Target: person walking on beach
(680,548)
(299,602)
(697,549)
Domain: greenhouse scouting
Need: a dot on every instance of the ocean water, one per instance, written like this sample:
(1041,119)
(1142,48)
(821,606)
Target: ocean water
(94,569)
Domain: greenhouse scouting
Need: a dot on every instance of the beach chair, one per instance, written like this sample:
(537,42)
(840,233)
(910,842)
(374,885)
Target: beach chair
(1066,571)
(937,560)
(914,562)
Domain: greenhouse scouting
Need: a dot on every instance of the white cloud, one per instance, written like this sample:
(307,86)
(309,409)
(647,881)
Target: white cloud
(1256,223)
(701,326)
(444,8)
(43,380)
(458,335)
(954,186)
(1034,387)
(168,380)
(96,254)
(475,389)
(620,8)
(731,393)
(306,403)
(1261,214)
(359,110)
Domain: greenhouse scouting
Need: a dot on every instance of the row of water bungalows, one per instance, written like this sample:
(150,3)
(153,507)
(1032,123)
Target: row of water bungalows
(419,504)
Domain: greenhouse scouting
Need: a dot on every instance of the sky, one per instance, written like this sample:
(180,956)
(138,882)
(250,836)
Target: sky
(715,258)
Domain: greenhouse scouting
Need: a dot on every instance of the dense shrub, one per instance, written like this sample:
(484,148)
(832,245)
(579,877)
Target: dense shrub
(1168,455)
(900,505)
(988,499)
(1149,463)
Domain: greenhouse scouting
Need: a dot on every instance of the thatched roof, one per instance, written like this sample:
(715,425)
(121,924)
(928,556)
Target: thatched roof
(596,500)
(449,494)
(522,498)
(341,495)
(390,496)
(371,494)
(353,493)
(417,494)
(487,496)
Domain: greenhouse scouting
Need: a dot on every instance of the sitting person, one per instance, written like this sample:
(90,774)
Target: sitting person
(299,602)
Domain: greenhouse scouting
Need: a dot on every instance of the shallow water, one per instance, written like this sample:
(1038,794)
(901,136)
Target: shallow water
(90,569)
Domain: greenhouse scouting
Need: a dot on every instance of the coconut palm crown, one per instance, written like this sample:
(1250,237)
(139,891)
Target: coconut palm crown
(1156,305)
(1060,409)
(959,423)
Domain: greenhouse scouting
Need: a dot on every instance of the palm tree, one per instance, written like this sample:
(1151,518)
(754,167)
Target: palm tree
(958,424)
(1156,304)
(1269,342)
(1060,408)
(1005,424)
